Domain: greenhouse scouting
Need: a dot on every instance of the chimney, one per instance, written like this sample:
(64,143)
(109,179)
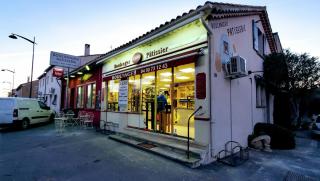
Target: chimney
(86,49)
(28,79)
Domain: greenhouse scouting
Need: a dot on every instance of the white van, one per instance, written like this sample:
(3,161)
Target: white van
(23,112)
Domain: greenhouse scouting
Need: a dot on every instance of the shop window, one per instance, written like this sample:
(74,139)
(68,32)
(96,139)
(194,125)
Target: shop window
(260,95)
(183,99)
(80,97)
(134,94)
(113,95)
(258,39)
(91,92)
(148,88)
(184,86)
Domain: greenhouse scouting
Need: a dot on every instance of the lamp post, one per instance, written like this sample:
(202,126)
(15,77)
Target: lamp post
(12,71)
(15,36)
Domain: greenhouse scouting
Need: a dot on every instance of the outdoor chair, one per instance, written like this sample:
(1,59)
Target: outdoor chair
(88,121)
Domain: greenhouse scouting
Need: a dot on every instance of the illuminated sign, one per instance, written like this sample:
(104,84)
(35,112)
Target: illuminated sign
(137,58)
(57,72)
(186,36)
(121,64)
(157,52)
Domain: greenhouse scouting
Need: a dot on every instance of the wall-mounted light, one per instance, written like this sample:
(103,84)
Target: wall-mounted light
(165,80)
(72,76)
(182,77)
(79,73)
(166,74)
(87,68)
(187,70)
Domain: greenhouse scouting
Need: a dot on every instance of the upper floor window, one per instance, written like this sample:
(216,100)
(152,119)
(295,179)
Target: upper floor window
(260,95)
(258,39)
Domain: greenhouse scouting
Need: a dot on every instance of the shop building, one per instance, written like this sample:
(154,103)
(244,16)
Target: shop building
(51,88)
(23,90)
(196,62)
(85,90)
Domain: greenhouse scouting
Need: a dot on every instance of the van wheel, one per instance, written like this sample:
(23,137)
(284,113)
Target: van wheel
(51,119)
(25,124)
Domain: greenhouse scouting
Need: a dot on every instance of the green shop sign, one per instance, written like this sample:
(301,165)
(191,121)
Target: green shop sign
(183,37)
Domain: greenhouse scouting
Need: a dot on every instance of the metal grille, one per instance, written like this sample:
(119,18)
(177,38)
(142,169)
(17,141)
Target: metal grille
(293,176)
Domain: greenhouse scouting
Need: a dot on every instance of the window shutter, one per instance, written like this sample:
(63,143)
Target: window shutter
(255,36)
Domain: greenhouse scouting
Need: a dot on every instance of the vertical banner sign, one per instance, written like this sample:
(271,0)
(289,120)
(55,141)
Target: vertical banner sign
(201,86)
(123,95)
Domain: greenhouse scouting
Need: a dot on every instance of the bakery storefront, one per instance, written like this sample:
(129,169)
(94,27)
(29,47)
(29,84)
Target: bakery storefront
(151,86)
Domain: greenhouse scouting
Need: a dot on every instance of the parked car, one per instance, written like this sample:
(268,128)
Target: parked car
(23,112)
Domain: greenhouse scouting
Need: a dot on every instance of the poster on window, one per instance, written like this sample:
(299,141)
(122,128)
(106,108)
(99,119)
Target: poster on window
(123,95)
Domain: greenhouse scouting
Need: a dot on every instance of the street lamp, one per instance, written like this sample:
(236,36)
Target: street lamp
(15,36)
(12,71)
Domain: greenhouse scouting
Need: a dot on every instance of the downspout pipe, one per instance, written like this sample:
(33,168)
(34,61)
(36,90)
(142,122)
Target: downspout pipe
(210,48)
(208,28)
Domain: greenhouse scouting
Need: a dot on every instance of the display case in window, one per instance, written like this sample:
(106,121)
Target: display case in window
(184,94)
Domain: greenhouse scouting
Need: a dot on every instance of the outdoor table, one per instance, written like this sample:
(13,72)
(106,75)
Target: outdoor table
(69,115)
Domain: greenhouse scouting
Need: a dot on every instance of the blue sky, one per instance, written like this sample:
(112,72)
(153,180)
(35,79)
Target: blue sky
(65,26)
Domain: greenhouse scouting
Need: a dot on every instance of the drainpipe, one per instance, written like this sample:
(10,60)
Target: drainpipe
(210,48)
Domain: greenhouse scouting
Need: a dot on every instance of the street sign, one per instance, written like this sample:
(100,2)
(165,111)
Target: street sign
(64,60)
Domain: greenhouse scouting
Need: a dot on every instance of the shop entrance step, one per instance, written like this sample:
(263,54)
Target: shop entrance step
(176,143)
(159,149)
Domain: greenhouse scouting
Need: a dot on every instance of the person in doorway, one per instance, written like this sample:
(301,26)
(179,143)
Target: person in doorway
(161,112)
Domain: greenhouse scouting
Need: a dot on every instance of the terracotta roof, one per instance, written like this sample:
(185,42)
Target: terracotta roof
(217,11)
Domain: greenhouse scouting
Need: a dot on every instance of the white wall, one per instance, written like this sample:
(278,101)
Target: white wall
(48,83)
(234,116)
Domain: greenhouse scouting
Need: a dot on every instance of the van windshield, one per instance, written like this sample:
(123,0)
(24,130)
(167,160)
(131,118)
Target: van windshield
(5,104)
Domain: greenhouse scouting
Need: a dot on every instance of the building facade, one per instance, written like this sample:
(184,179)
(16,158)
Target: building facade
(52,87)
(85,91)
(23,90)
(202,72)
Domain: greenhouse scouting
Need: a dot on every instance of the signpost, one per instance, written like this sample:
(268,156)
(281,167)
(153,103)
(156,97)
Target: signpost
(123,95)
(67,61)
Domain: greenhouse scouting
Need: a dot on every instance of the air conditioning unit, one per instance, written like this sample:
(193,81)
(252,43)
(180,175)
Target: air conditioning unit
(236,67)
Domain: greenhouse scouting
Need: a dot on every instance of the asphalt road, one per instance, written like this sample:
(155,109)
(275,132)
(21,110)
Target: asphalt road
(40,153)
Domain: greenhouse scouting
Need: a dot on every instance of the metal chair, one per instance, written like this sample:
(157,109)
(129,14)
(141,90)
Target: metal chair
(88,122)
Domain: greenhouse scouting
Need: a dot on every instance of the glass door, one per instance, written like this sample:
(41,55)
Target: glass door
(148,99)
(164,87)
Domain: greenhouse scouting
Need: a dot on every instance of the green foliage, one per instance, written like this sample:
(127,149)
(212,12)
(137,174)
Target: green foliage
(292,72)
(275,71)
